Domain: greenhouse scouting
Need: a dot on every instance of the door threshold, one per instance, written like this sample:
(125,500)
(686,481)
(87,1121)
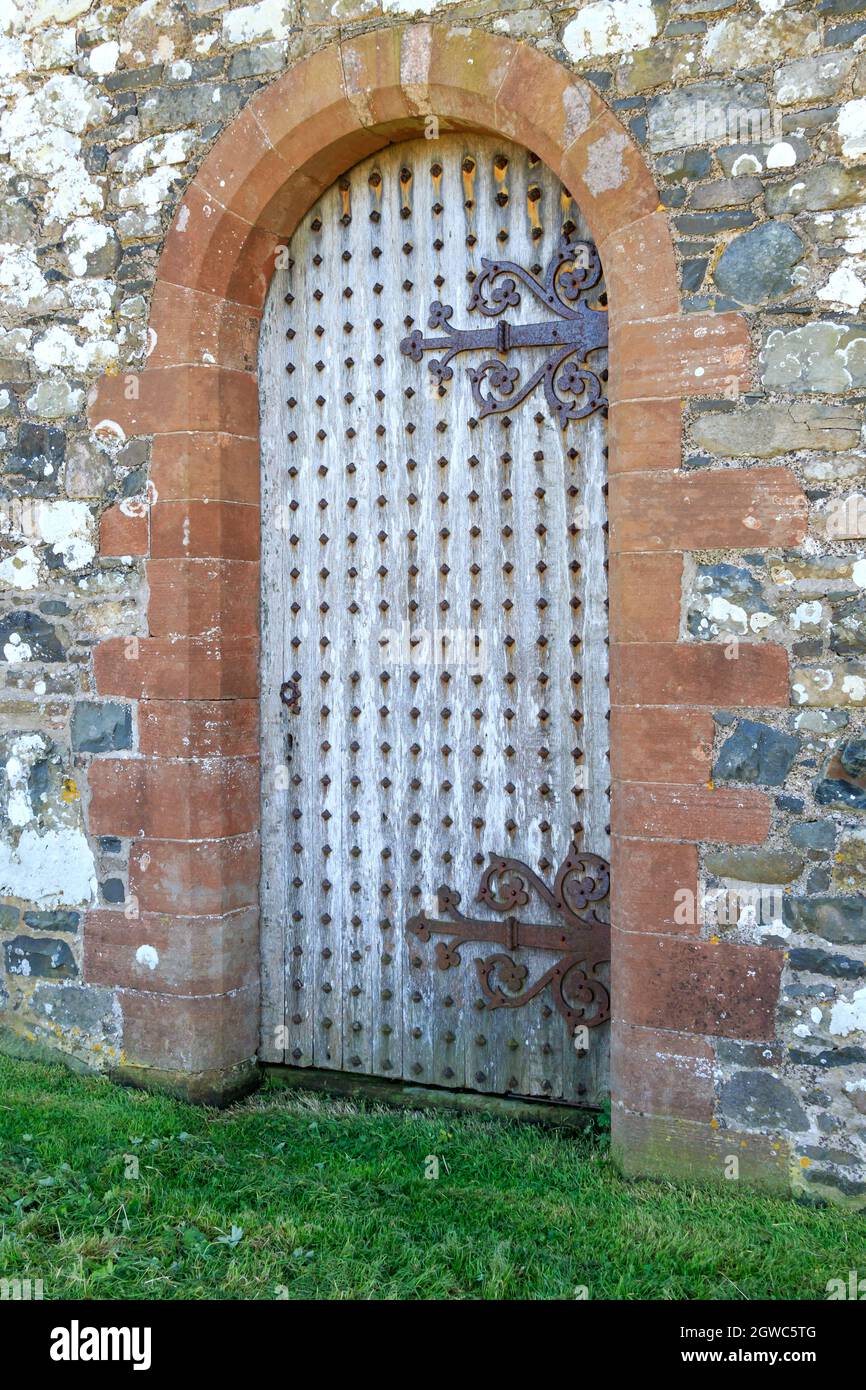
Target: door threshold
(378,1091)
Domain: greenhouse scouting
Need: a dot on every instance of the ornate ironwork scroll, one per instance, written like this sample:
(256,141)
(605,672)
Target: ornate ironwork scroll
(582,941)
(577,330)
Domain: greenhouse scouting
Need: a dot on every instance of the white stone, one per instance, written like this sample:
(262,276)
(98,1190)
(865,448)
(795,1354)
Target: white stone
(58,11)
(103,58)
(21,569)
(844,286)
(13,58)
(610,26)
(57,348)
(68,527)
(52,869)
(849,1015)
(82,238)
(851,125)
(782,155)
(41,133)
(806,615)
(269,19)
(55,399)
(147,955)
(53,48)
(24,751)
(22,283)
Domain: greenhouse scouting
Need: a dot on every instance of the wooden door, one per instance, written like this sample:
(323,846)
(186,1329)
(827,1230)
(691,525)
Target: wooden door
(434,610)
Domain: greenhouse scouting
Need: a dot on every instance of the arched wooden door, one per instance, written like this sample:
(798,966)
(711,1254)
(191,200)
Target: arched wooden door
(435,778)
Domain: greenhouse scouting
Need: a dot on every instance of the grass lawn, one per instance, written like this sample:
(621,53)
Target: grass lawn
(297,1196)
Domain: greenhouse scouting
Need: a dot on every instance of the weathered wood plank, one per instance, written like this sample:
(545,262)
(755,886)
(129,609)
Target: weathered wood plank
(440,588)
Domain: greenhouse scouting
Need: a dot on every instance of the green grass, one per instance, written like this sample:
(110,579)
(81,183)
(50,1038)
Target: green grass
(327,1199)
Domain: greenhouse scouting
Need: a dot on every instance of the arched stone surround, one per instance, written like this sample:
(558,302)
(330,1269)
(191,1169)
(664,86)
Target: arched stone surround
(189,797)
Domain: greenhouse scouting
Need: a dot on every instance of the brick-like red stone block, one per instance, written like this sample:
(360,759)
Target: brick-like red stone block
(124,530)
(197,328)
(657,1072)
(199,728)
(691,355)
(656,810)
(174,799)
(175,1034)
(214,467)
(198,878)
(645,597)
(164,954)
(741,674)
(203,598)
(641,270)
(210,248)
(608,178)
(203,530)
(156,668)
(171,399)
(721,990)
(654,886)
(645,436)
(660,744)
(730,508)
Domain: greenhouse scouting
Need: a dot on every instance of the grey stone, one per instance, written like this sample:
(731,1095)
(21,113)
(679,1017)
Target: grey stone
(58,920)
(814,834)
(726,193)
(752,159)
(9,917)
(848,627)
(104,260)
(743,595)
(755,865)
(684,164)
(112,890)
(756,267)
(845,34)
(828,1057)
(817,78)
(760,1101)
(840,7)
(667,61)
(78,1006)
(840,1182)
(255,62)
(99,727)
(31,630)
(37,449)
(735,1052)
(826,963)
(17,222)
(706,113)
(841,920)
(822,356)
(711,223)
(757,754)
(766,430)
(172,108)
(89,471)
(44,956)
(740,42)
(693,274)
(828,185)
(844,780)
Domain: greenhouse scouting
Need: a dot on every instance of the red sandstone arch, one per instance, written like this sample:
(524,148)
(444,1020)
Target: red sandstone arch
(189,797)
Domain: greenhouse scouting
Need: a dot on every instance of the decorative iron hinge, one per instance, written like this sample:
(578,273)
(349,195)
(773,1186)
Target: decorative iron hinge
(577,331)
(582,942)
